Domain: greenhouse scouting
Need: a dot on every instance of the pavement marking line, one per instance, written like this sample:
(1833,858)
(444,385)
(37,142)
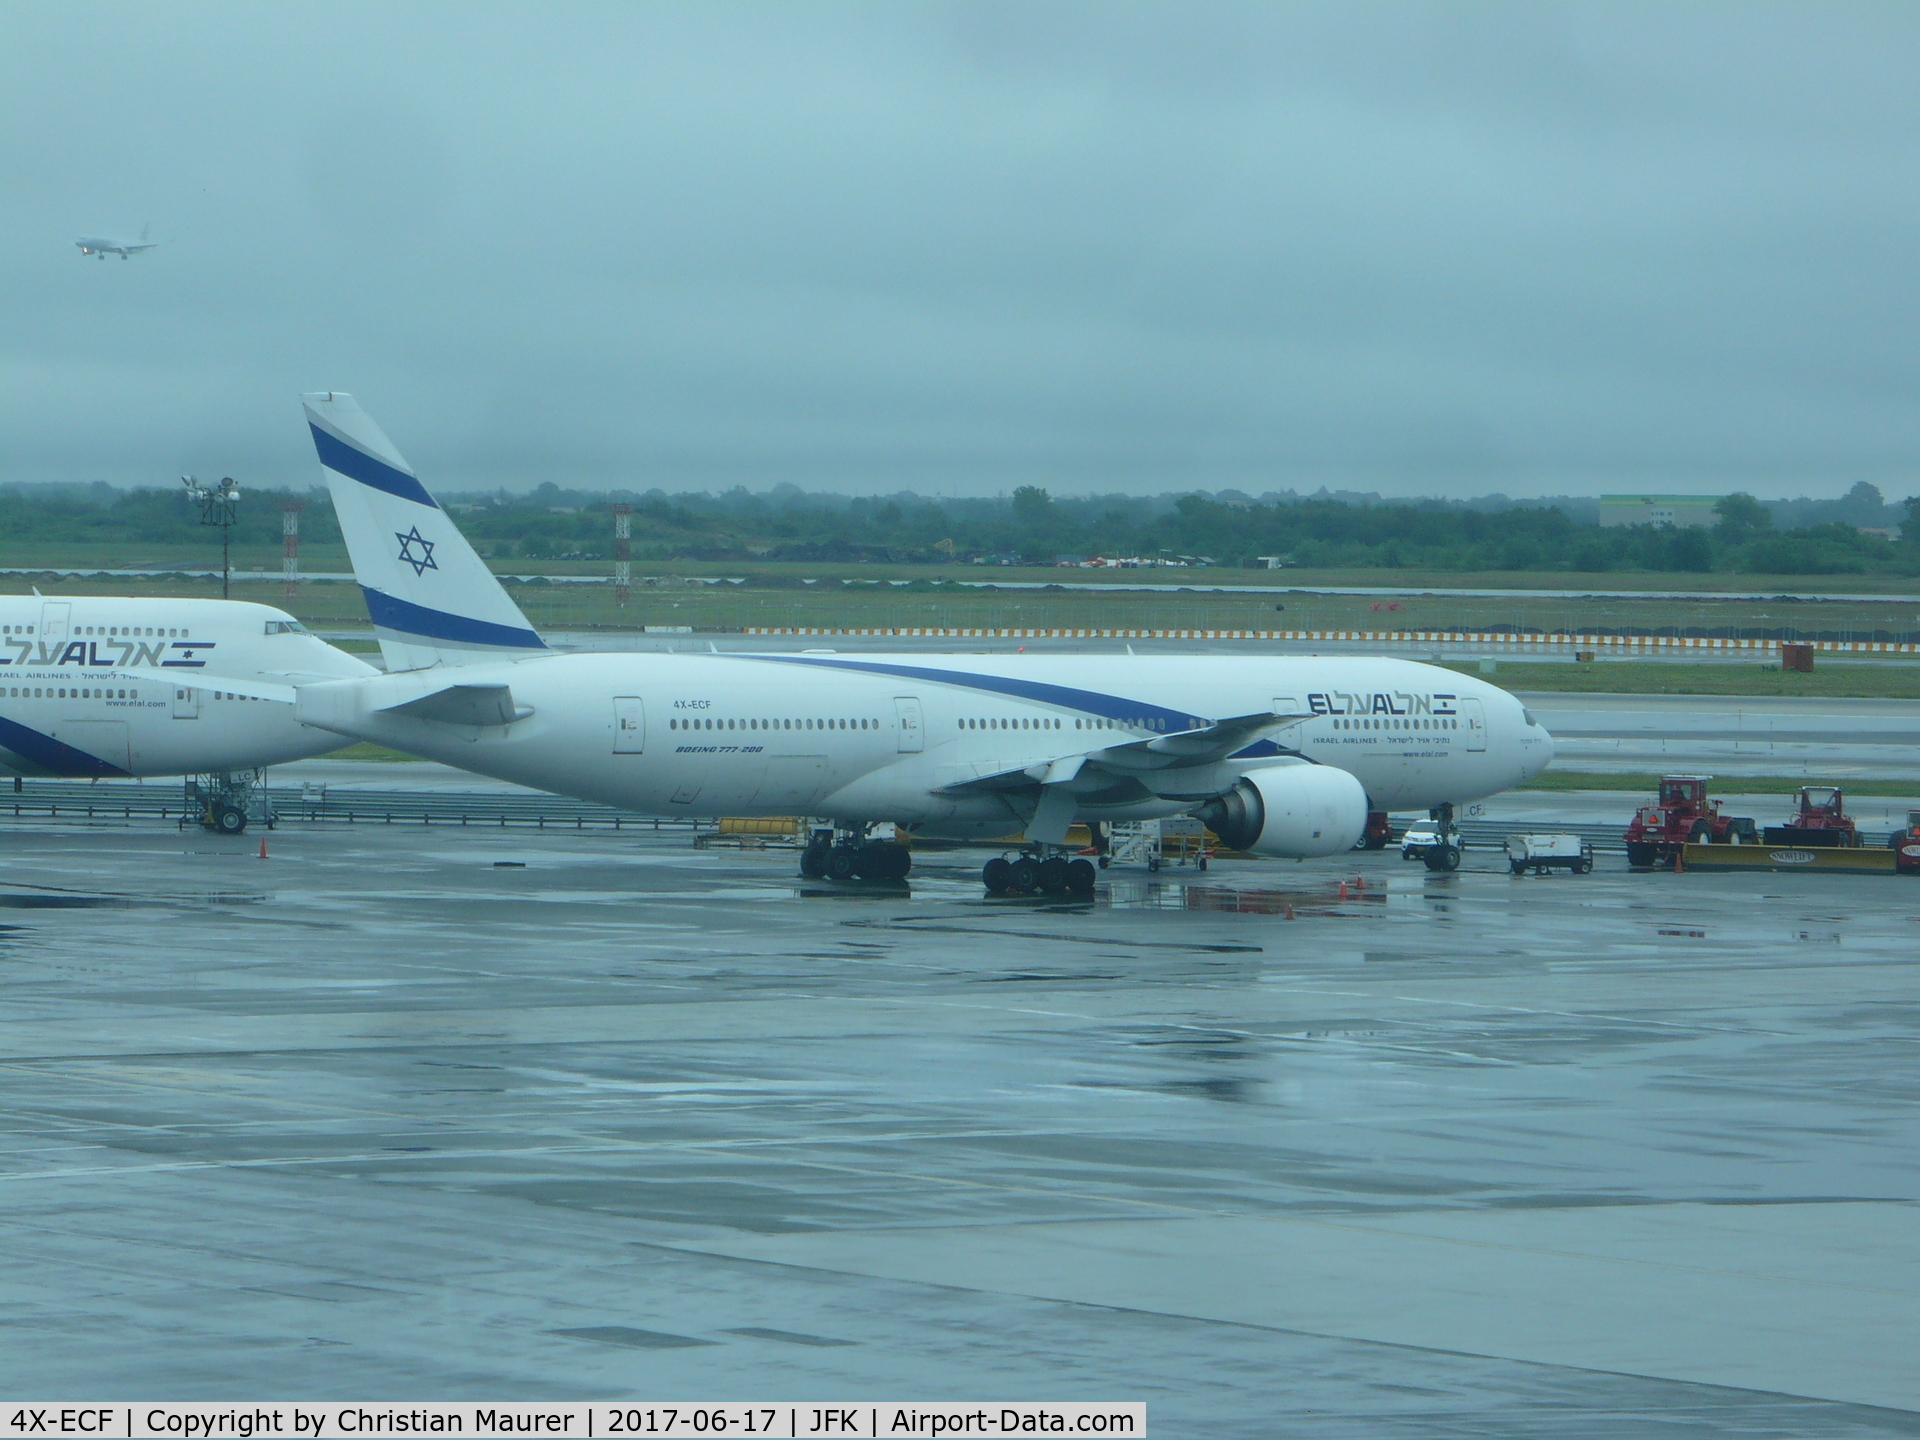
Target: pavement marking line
(1627,1290)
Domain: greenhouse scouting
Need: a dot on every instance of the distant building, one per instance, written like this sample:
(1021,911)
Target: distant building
(1677,512)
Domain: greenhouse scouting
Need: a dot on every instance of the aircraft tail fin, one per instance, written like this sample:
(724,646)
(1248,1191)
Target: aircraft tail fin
(432,598)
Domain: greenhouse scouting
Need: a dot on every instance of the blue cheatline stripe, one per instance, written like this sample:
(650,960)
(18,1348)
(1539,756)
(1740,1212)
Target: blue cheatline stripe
(54,755)
(391,613)
(1091,702)
(337,455)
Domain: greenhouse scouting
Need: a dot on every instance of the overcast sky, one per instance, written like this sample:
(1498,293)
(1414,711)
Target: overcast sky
(1445,249)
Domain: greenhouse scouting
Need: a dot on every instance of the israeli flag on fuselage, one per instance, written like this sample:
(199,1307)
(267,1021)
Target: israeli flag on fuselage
(432,599)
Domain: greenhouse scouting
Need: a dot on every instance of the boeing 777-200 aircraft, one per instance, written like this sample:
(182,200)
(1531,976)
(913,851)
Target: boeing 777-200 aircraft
(1280,755)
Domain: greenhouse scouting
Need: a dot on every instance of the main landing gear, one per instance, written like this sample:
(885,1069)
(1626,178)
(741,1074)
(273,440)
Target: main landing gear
(1443,855)
(1032,873)
(851,855)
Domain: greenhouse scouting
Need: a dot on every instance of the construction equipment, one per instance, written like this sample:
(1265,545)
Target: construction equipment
(1541,853)
(1821,820)
(1683,814)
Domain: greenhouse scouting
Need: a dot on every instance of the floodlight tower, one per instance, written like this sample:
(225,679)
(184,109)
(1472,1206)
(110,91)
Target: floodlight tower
(622,554)
(217,503)
(290,545)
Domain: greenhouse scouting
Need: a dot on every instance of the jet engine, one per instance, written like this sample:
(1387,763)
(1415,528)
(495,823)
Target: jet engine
(1296,811)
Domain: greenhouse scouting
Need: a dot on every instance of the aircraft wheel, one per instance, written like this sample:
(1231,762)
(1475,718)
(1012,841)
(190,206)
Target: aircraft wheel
(229,819)
(1051,875)
(1080,877)
(900,863)
(842,862)
(997,875)
(1025,874)
(1443,857)
(813,862)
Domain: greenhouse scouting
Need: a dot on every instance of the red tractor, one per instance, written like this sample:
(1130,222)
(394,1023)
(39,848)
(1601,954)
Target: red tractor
(1822,820)
(1683,814)
(1905,845)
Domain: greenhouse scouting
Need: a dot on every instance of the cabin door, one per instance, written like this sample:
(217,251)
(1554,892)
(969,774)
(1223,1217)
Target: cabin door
(186,703)
(1473,719)
(912,737)
(629,725)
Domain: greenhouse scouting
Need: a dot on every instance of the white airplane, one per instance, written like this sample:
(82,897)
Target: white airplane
(1281,756)
(104,686)
(101,246)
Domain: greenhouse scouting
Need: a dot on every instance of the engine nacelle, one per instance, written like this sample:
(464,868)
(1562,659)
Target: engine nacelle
(1297,811)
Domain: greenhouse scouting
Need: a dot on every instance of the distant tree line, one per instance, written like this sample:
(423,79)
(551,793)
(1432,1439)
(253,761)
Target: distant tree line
(1033,527)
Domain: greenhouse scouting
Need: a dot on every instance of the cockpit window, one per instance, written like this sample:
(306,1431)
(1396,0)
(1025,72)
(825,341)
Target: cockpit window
(286,627)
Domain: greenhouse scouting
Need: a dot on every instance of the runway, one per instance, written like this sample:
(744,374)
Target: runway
(380,1116)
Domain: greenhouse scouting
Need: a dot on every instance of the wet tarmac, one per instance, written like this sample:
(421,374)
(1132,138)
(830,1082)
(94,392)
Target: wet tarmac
(410,1115)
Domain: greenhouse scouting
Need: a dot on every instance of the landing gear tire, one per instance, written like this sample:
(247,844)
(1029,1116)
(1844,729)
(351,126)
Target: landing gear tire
(1025,874)
(1443,858)
(1080,877)
(229,819)
(842,862)
(997,875)
(1051,875)
(813,862)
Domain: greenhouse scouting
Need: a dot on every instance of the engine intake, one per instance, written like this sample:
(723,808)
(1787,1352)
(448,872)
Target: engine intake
(1296,811)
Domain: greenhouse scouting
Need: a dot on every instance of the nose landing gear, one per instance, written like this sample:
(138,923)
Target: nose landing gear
(1443,856)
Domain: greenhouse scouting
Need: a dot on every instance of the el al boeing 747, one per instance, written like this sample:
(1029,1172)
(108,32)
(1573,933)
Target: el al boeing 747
(1281,756)
(103,686)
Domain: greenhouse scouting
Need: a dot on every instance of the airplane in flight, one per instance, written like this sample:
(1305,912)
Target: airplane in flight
(1282,756)
(101,246)
(101,686)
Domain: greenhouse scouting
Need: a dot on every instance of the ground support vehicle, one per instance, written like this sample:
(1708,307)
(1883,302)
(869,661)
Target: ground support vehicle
(1905,845)
(1680,816)
(1177,840)
(1417,839)
(1855,858)
(875,852)
(1379,832)
(1821,819)
(1541,853)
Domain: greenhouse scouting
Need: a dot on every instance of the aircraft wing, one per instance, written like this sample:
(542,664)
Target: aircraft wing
(205,680)
(1179,765)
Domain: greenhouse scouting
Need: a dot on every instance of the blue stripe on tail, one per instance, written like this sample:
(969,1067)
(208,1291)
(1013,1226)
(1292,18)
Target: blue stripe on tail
(356,464)
(391,613)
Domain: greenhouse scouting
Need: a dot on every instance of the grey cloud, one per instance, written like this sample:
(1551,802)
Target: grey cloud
(956,248)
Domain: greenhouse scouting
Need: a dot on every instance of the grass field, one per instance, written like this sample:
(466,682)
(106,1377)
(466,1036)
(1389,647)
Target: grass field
(1646,783)
(829,602)
(1850,679)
